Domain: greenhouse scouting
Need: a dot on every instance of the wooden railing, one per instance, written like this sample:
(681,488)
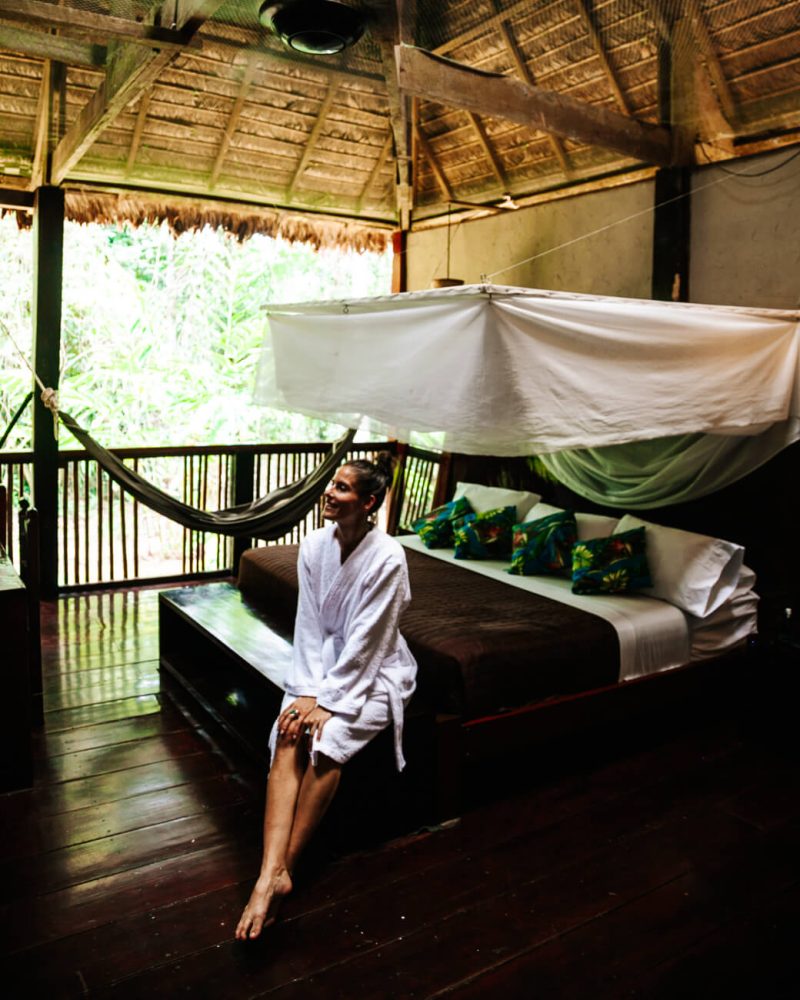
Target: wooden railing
(107,537)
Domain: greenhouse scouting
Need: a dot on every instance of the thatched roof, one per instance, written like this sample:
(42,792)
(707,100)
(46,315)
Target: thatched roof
(215,120)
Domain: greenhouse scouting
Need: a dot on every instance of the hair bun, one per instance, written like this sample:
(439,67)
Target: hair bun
(385,463)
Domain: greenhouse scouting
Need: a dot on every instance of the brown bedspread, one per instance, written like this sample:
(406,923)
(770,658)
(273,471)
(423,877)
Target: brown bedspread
(481,646)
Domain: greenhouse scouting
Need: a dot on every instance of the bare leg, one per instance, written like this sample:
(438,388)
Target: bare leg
(316,793)
(296,802)
(283,789)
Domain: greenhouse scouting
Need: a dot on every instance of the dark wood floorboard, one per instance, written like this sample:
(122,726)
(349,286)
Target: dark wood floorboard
(657,864)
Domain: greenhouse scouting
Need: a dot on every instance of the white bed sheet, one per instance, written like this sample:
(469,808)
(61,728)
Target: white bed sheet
(653,636)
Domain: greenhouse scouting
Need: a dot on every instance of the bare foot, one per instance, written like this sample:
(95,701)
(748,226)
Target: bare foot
(262,907)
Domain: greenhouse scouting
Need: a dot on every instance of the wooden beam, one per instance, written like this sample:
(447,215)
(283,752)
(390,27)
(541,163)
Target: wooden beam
(138,132)
(233,120)
(587,16)
(526,75)
(14,199)
(389,33)
(460,86)
(374,173)
(427,151)
(48,261)
(308,146)
(131,70)
(488,149)
(42,46)
(41,129)
(713,67)
(72,21)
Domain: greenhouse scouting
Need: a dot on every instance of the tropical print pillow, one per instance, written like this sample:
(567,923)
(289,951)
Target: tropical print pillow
(613,565)
(487,535)
(436,527)
(544,546)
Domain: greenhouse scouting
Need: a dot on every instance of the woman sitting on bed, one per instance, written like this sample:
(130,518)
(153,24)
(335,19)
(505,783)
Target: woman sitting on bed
(351,676)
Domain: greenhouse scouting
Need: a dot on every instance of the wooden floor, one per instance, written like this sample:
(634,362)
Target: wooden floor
(670,869)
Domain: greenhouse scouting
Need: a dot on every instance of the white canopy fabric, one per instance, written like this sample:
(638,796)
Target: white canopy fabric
(518,371)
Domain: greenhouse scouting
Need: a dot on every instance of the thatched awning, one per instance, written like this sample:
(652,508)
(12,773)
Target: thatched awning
(184,214)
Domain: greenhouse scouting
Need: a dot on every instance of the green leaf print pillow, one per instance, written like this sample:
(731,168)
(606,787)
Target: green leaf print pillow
(613,565)
(544,546)
(486,536)
(436,527)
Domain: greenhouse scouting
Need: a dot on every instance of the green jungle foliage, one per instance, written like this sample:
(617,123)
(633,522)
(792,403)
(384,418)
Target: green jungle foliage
(161,336)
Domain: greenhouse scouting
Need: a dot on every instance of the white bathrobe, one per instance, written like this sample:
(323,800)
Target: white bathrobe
(348,651)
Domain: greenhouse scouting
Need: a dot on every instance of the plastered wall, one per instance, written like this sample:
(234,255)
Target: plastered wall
(613,262)
(745,247)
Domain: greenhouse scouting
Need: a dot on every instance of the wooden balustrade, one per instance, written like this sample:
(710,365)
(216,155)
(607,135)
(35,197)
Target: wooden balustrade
(107,537)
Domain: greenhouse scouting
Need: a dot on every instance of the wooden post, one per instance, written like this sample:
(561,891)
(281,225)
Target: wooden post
(672,234)
(48,253)
(244,469)
(399,269)
(672,196)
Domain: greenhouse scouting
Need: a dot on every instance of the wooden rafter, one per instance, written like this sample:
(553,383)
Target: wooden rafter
(375,172)
(44,46)
(722,91)
(488,149)
(587,16)
(308,148)
(87,24)
(131,70)
(525,73)
(138,131)
(233,120)
(41,130)
(427,151)
(460,86)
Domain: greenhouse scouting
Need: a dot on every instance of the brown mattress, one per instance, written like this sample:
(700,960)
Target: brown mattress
(482,647)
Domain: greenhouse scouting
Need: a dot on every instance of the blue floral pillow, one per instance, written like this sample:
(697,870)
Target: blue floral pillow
(613,565)
(486,535)
(544,546)
(436,527)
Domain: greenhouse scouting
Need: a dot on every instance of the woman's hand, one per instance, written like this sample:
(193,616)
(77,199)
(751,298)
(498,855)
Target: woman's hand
(315,721)
(292,718)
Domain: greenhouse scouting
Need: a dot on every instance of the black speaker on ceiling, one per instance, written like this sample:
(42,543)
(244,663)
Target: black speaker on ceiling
(315,27)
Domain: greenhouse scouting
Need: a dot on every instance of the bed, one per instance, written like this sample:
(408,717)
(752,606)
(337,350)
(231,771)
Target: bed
(509,661)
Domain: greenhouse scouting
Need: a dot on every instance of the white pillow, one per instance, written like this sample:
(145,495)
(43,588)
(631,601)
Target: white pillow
(694,572)
(483,498)
(589,525)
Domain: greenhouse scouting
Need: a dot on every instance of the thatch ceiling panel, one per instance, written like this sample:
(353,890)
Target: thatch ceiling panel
(771,54)
(235,112)
(749,21)
(19,67)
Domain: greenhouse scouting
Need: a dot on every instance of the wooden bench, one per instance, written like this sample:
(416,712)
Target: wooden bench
(228,659)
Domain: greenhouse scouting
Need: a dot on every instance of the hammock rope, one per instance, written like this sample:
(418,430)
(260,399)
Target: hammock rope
(269,517)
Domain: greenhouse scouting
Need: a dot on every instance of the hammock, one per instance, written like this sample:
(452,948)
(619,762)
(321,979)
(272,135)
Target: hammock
(269,517)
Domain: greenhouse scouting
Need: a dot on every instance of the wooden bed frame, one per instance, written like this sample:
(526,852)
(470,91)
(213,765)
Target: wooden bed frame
(212,638)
